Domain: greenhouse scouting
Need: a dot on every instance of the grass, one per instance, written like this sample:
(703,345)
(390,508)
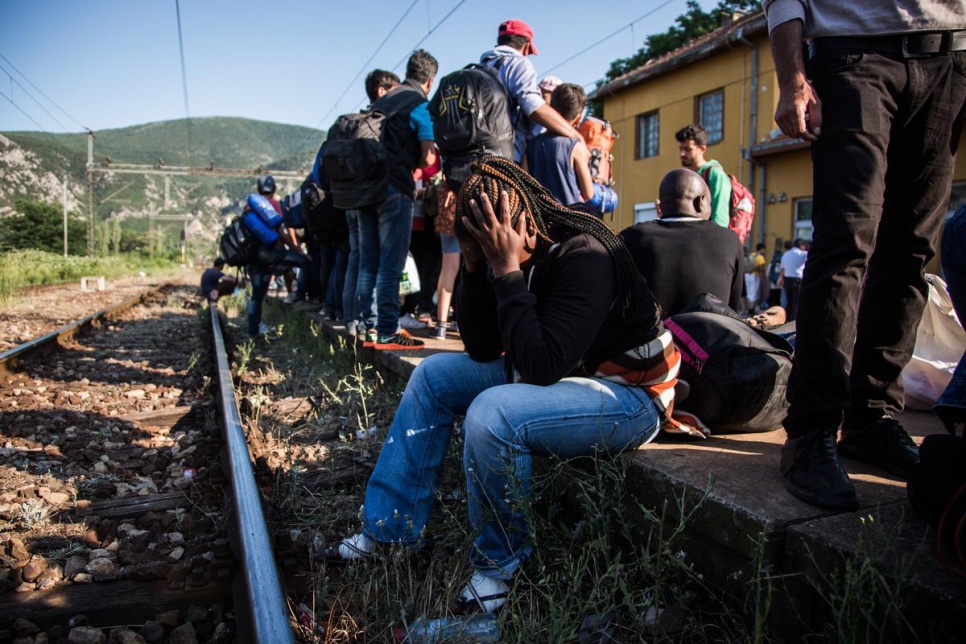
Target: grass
(50,268)
(604,565)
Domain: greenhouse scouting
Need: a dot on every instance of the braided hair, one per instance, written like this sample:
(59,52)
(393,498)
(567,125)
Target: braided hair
(493,174)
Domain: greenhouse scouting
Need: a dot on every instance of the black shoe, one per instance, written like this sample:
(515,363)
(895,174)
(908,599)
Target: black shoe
(812,472)
(882,442)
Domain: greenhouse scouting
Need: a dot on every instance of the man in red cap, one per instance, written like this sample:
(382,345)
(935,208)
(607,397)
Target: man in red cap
(527,105)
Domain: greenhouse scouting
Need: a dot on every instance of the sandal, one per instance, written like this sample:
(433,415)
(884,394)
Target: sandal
(482,594)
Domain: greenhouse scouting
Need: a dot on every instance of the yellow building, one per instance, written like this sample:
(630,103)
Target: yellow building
(724,80)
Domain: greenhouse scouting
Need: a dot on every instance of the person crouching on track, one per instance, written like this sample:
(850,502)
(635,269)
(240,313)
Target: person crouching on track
(555,320)
(278,248)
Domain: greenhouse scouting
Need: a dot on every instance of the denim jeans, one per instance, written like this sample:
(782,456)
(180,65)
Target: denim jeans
(260,273)
(352,267)
(953,251)
(882,170)
(383,244)
(333,264)
(505,426)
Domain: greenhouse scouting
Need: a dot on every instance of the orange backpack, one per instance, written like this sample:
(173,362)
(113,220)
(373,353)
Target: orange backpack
(599,137)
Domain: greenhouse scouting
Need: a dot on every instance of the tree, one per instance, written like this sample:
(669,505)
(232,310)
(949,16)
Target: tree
(40,226)
(689,25)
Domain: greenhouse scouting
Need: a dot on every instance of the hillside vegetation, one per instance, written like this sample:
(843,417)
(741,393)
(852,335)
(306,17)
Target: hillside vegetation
(34,166)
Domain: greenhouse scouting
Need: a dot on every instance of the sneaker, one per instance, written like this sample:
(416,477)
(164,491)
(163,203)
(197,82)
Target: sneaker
(351,328)
(370,337)
(354,548)
(812,472)
(439,332)
(398,341)
(409,322)
(883,442)
(291,298)
(482,594)
(264,331)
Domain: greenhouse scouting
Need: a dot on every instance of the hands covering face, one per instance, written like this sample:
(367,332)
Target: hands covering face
(503,245)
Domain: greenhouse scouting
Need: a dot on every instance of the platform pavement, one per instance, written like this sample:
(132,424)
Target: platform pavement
(732,484)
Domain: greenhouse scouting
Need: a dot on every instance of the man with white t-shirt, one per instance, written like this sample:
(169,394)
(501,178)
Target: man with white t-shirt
(790,275)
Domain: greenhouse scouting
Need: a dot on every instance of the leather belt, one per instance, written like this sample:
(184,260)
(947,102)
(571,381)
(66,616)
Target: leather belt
(920,44)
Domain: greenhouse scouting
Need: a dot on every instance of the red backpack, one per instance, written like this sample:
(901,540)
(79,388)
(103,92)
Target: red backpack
(742,210)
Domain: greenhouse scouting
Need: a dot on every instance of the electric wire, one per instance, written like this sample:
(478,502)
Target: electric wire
(428,34)
(31,96)
(365,65)
(611,35)
(53,137)
(421,41)
(184,83)
(39,91)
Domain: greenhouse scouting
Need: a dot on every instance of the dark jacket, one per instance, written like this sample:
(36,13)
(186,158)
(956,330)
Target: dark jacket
(565,324)
(683,259)
(403,149)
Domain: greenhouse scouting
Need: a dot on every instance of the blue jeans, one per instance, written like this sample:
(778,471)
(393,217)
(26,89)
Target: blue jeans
(352,267)
(383,243)
(505,426)
(333,263)
(260,273)
(953,251)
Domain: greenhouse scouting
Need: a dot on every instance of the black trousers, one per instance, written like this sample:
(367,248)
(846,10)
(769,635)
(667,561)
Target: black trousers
(882,173)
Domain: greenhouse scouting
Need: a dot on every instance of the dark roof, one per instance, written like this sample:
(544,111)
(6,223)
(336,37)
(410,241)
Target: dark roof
(725,37)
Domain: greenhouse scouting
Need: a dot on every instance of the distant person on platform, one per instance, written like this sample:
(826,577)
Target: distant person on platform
(790,273)
(692,146)
(214,282)
(683,254)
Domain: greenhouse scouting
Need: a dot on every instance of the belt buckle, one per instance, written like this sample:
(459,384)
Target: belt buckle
(922,39)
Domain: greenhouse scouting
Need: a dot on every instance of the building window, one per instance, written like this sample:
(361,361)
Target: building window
(710,109)
(645,212)
(648,126)
(803,219)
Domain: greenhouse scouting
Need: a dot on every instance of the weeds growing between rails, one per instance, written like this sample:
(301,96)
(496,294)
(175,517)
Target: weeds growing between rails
(604,565)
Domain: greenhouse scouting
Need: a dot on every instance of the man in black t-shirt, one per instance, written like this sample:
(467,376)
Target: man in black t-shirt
(683,254)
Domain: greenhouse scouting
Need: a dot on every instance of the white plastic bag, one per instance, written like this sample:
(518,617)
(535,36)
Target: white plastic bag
(940,342)
(409,283)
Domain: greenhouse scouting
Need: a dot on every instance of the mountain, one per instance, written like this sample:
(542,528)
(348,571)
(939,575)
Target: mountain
(33,165)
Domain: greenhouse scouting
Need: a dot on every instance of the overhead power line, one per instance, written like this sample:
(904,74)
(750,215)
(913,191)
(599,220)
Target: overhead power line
(39,104)
(428,34)
(39,91)
(365,65)
(184,82)
(629,25)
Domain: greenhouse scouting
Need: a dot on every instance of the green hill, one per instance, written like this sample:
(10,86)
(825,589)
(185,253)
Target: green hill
(225,142)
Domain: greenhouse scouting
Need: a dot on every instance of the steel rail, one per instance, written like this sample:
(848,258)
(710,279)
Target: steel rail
(269,612)
(11,357)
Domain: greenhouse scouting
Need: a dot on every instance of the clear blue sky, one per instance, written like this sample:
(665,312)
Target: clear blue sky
(114,63)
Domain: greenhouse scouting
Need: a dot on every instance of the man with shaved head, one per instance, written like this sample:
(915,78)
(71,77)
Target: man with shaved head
(684,254)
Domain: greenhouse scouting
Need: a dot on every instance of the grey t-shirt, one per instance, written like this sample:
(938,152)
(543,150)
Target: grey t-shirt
(867,17)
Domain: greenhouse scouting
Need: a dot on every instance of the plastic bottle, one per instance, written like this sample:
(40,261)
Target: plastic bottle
(484,627)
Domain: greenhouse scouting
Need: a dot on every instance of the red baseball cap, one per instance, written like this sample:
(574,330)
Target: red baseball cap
(519,28)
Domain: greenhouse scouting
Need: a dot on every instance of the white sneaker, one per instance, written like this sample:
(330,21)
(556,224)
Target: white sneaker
(351,328)
(290,298)
(356,547)
(409,322)
(489,593)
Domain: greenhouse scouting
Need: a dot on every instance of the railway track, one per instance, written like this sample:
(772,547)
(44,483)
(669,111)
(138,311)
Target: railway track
(116,521)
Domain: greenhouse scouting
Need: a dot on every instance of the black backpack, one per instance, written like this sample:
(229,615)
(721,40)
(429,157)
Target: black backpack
(237,244)
(737,374)
(471,116)
(326,222)
(354,158)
